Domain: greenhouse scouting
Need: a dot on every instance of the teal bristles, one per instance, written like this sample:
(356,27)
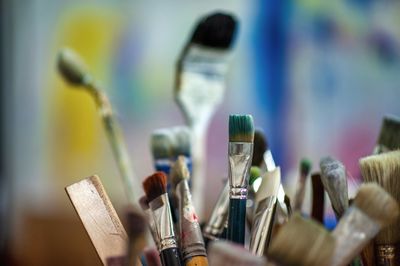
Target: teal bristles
(162,144)
(241,128)
(305,167)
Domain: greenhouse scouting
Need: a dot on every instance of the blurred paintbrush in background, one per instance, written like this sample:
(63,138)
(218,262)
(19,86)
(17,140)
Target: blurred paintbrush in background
(227,253)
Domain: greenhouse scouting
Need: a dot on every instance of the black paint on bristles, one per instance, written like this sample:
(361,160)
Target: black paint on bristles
(389,136)
(162,144)
(216,30)
(155,185)
(71,67)
(144,203)
(179,171)
(241,128)
(305,167)
(136,223)
(260,146)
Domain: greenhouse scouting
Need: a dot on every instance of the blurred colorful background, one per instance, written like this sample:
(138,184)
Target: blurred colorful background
(317,76)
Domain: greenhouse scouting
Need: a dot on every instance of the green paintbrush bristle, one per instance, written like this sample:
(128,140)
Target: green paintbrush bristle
(305,166)
(255,173)
(241,128)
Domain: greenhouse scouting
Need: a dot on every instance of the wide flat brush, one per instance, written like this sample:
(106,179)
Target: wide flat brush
(301,242)
(191,240)
(389,136)
(227,253)
(305,168)
(155,187)
(73,70)
(384,169)
(372,209)
(318,198)
(200,85)
(240,152)
(334,179)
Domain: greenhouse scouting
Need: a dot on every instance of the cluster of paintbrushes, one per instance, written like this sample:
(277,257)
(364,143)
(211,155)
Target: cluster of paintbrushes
(252,221)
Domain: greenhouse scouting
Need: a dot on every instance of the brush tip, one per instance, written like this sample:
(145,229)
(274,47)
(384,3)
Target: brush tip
(305,166)
(162,144)
(255,173)
(155,185)
(260,146)
(179,171)
(182,141)
(71,67)
(241,128)
(216,30)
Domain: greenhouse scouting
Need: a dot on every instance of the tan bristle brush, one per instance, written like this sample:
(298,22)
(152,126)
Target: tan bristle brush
(372,209)
(191,240)
(224,253)
(155,187)
(200,84)
(389,136)
(302,242)
(136,228)
(72,69)
(334,179)
(384,169)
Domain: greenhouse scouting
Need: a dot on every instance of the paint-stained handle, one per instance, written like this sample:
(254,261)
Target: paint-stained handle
(237,220)
(197,261)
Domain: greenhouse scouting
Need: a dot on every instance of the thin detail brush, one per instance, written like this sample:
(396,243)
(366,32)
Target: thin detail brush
(241,136)
(305,168)
(318,198)
(73,70)
(155,187)
(200,85)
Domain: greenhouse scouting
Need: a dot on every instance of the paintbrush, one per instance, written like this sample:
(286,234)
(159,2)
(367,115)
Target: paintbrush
(240,152)
(200,85)
(305,168)
(318,198)
(155,187)
(191,241)
(162,145)
(73,70)
(227,253)
(136,229)
(384,169)
(152,257)
(144,204)
(372,209)
(302,242)
(334,179)
(182,145)
(255,180)
(389,136)
(266,198)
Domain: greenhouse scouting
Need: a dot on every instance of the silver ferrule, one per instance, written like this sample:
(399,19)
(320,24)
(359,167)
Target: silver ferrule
(269,161)
(163,222)
(152,227)
(387,255)
(219,215)
(262,226)
(240,155)
(192,243)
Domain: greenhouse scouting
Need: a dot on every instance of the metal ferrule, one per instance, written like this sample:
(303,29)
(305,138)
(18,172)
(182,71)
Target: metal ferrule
(192,243)
(262,225)
(219,215)
(240,155)
(163,222)
(152,227)
(387,255)
(269,161)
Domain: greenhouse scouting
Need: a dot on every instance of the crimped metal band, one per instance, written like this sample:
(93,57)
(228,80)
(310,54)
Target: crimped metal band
(387,255)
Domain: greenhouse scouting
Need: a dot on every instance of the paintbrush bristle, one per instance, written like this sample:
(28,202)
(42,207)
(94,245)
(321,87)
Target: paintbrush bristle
(241,128)
(182,141)
(179,171)
(155,185)
(136,223)
(144,203)
(313,244)
(384,169)
(389,136)
(260,146)
(377,204)
(305,167)
(162,144)
(216,30)
(334,179)
(255,173)
(71,67)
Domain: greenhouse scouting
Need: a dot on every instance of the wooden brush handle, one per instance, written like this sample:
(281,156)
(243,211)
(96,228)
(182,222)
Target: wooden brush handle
(318,200)
(197,261)
(170,257)
(237,220)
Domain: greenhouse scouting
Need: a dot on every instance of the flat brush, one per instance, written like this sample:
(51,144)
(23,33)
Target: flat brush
(384,169)
(372,209)
(301,242)
(389,136)
(191,241)
(334,179)
(318,198)
(305,168)
(200,85)
(144,205)
(73,71)
(227,253)
(240,150)
(136,229)
(155,187)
